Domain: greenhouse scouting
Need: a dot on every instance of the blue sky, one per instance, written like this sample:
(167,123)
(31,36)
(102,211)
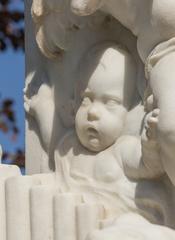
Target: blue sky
(12,71)
(11,86)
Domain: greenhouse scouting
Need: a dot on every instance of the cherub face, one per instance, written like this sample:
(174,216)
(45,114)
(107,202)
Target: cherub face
(101,116)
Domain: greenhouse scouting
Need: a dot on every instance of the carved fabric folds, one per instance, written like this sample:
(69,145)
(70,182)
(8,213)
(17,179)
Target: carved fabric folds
(157,54)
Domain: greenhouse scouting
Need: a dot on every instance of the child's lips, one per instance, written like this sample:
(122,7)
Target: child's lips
(92,130)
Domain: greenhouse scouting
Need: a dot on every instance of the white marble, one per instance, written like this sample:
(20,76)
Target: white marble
(119,149)
(99,99)
(153,24)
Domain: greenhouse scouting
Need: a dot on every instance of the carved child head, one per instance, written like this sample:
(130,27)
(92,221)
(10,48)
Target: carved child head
(107,88)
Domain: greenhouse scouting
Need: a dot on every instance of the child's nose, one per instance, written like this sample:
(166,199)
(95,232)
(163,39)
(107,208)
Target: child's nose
(93,113)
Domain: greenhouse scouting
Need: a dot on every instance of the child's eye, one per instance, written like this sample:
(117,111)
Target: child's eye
(112,102)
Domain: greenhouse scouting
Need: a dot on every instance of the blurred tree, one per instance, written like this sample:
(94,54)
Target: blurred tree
(11,26)
(7,118)
(11,35)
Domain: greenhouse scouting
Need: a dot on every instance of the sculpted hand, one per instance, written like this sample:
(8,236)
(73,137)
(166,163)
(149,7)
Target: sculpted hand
(34,104)
(150,146)
(41,107)
(151,121)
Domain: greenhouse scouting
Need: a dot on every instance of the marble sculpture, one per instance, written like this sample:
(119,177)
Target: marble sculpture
(100,132)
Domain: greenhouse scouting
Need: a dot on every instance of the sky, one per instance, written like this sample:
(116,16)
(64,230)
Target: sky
(12,75)
(11,86)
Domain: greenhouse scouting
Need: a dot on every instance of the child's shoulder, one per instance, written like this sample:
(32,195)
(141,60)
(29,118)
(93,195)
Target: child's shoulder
(126,147)
(126,141)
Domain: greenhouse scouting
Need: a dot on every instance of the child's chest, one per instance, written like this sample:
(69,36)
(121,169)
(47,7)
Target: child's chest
(102,167)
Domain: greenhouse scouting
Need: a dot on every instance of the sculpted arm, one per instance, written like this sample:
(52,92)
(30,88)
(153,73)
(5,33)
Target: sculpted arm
(161,75)
(142,158)
(162,80)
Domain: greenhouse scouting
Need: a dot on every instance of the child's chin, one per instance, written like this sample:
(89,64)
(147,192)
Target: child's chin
(94,145)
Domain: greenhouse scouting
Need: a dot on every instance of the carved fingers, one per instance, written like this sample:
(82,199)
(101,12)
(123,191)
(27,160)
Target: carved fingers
(35,103)
(152,121)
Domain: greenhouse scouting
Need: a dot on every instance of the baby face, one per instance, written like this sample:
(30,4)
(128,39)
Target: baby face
(100,118)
